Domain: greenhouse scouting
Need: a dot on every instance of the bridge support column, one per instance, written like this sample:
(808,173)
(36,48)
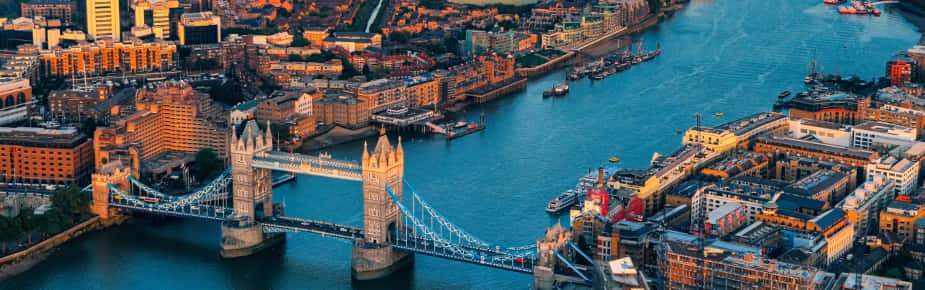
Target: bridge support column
(241,237)
(369,263)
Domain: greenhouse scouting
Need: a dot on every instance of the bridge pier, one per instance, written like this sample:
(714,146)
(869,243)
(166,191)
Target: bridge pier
(369,263)
(241,237)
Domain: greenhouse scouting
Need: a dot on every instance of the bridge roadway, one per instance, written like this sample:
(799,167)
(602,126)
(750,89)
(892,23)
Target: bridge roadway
(310,165)
(201,212)
(325,229)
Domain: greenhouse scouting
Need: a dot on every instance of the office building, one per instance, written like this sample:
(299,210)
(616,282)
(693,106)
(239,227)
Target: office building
(15,98)
(103,19)
(900,218)
(904,173)
(200,28)
(160,15)
(106,56)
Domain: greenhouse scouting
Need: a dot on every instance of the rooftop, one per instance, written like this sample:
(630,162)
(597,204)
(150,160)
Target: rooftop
(819,147)
(884,128)
(747,124)
(816,182)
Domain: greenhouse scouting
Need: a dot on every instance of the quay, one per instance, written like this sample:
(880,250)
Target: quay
(485,94)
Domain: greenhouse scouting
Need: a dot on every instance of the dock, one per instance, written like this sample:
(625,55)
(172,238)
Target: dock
(454,135)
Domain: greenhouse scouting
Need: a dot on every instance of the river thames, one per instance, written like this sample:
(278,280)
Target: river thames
(725,56)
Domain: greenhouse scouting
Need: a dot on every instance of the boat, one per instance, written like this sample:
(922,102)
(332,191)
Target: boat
(548,93)
(561,89)
(719,114)
(783,94)
(678,131)
(613,159)
(563,201)
(459,124)
(833,2)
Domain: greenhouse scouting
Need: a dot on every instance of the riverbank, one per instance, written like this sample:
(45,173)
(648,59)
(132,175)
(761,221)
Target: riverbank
(335,136)
(22,261)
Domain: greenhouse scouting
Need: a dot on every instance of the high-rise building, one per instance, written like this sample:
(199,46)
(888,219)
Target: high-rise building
(156,14)
(108,56)
(200,28)
(103,18)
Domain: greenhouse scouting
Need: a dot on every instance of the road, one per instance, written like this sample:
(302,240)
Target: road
(372,18)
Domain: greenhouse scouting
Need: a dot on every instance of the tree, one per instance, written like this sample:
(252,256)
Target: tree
(294,57)
(29,222)
(10,231)
(399,36)
(433,4)
(70,200)
(365,69)
(299,41)
(207,163)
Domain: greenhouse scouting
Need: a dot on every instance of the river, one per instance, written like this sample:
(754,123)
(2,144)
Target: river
(726,56)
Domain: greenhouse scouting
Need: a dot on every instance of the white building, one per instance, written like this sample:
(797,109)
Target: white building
(873,134)
(712,197)
(863,205)
(825,132)
(904,173)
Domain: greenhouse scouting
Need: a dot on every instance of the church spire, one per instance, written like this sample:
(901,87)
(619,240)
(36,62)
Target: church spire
(399,149)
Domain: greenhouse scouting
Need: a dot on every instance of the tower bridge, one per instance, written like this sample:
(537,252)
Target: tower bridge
(397,221)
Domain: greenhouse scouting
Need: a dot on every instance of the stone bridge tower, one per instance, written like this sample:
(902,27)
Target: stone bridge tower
(374,257)
(114,173)
(241,234)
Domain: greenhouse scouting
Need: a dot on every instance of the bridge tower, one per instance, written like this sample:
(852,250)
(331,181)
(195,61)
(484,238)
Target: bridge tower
(242,235)
(114,173)
(374,257)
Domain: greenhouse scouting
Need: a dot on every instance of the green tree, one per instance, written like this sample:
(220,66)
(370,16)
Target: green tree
(294,57)
(207,163)
(399,36)
(299,41)
(433,4)
(10,231)
(70,200)
(29,222)
(52,221)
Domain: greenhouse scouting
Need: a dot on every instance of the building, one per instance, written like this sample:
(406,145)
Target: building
(382,93)
(716,140)
(718,195)
(342,109)
(624,275)
(904,173)
(315,35)
(159,15)
(900,218)
(901,113)
(725,219)
(862,205)
(834,107)
(744,163)
(171,118)
(75,104)
(685,268)
(15,98)
(793,168)
(821,131)
(199,28)
(823,185)
(838,233)
(45,156)
(848,281)
(106,56)
(103,19)
(280,104)
(51,9)
(803,148)
(353,41)
(422,91)
(476,42)
(875,135)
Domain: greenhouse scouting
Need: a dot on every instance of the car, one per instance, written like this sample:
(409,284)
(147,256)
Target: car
(193,207)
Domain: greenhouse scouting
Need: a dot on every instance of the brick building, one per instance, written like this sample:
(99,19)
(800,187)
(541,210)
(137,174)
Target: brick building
(36,155)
